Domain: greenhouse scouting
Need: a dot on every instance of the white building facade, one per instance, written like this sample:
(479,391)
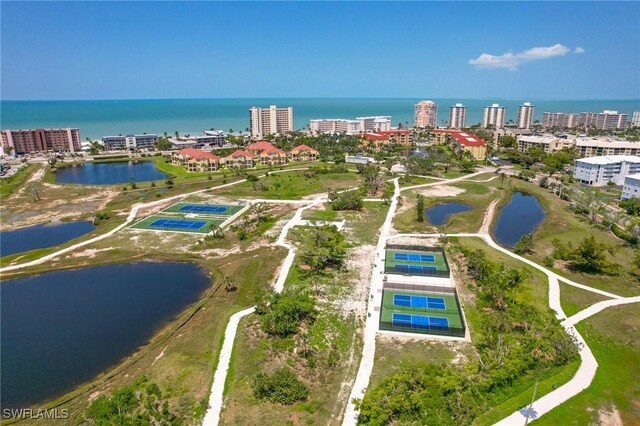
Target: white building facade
(631,187)
(378,123)
(130,142)
(598,171)
(336,125)
(494,116)
(458,116)
(635,119)
(268,121)
(525,116)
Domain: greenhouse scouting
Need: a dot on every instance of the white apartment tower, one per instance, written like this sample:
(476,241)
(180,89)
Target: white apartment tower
(493,116)
(635,119)
(426,114)
(605,120)
(525,115)
(457,116)
(272,120)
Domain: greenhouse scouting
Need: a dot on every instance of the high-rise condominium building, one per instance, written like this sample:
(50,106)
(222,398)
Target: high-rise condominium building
(41,140)
(375,123)
(335,125)
(606,120)
(426,114)
(272,120)
(559,119)
(458,116)
(525,115)
(494,116)
(635,119)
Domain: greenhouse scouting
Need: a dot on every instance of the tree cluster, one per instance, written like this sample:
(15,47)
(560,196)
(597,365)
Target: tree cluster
(281,387)
(589,256)
(514,340)
(282,313)
(323,246)
(349,200)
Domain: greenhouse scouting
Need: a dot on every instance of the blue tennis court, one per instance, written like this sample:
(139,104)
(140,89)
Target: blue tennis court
(418,301)
(178,224)
(417,269)
(420,321)
(190,208)
(415,257)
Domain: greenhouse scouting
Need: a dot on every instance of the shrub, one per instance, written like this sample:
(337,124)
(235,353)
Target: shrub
(252,178)
(282,313)
(282,387)
(524,245)
(350,200)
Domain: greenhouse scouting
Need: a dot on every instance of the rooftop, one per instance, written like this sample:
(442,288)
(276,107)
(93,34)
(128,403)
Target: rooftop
(610,159)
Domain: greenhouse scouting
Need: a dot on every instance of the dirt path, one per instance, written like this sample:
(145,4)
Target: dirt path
(35,177)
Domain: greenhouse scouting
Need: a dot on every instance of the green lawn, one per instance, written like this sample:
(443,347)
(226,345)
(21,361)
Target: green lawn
(574,299)
(292,185)
(614,337)
(10,184)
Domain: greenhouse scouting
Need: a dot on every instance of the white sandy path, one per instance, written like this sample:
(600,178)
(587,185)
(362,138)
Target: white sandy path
(216,397)
(371,325)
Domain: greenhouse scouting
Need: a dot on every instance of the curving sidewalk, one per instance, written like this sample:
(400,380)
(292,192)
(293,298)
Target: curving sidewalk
(216,396)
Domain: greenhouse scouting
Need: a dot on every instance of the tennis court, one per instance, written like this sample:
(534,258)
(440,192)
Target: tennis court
(413,311)
(420,321)
(220,210)
(419,301)
(412,260)
(176,224)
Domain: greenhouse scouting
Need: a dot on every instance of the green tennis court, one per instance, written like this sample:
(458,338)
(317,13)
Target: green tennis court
(201,209)
(176,224)
(412,261)
(421,312)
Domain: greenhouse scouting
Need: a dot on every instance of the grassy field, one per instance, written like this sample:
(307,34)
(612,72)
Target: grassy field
(293,185)
(9,184)
(574,299)
(477,195)
(614,337)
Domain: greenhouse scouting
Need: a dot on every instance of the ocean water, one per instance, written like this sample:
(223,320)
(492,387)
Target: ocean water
(113,117)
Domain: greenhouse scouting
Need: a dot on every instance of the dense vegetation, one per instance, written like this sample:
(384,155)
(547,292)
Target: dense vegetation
(282,387)
(323,246)
(141,404)
(282,313)
(515,339)
(589,256)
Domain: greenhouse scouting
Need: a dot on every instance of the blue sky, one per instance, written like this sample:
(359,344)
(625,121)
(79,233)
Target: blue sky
(94,50)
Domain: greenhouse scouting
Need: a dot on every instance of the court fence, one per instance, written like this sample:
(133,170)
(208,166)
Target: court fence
(418,288)
(423,272)
(411,328)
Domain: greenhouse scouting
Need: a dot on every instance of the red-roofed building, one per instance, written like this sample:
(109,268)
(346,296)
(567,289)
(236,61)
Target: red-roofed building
(463,141)
(303,153)
(239,158)
(400,137)
(196,160)
(273,157)
(257,147)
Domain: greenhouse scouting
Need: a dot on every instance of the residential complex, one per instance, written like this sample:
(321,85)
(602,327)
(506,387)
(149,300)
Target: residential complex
(376,123)
(426,114)
(635,119)
(493,116)
(272,120)
(211,139)
(130,142)
(598,171)
(525,116)
(631,187)
(457,116)
(196,160)
(463,141)
(606,120)
(34,141)
(548,143)
(336,125)
(559,119)
(402,137)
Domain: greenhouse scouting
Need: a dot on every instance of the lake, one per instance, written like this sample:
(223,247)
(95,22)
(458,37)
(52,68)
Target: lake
(439,214)
(63,328)
(109,173)
(521,216)
(40,236)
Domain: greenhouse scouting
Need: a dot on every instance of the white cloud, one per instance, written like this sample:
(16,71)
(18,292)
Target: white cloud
(579,50)
(511,60)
